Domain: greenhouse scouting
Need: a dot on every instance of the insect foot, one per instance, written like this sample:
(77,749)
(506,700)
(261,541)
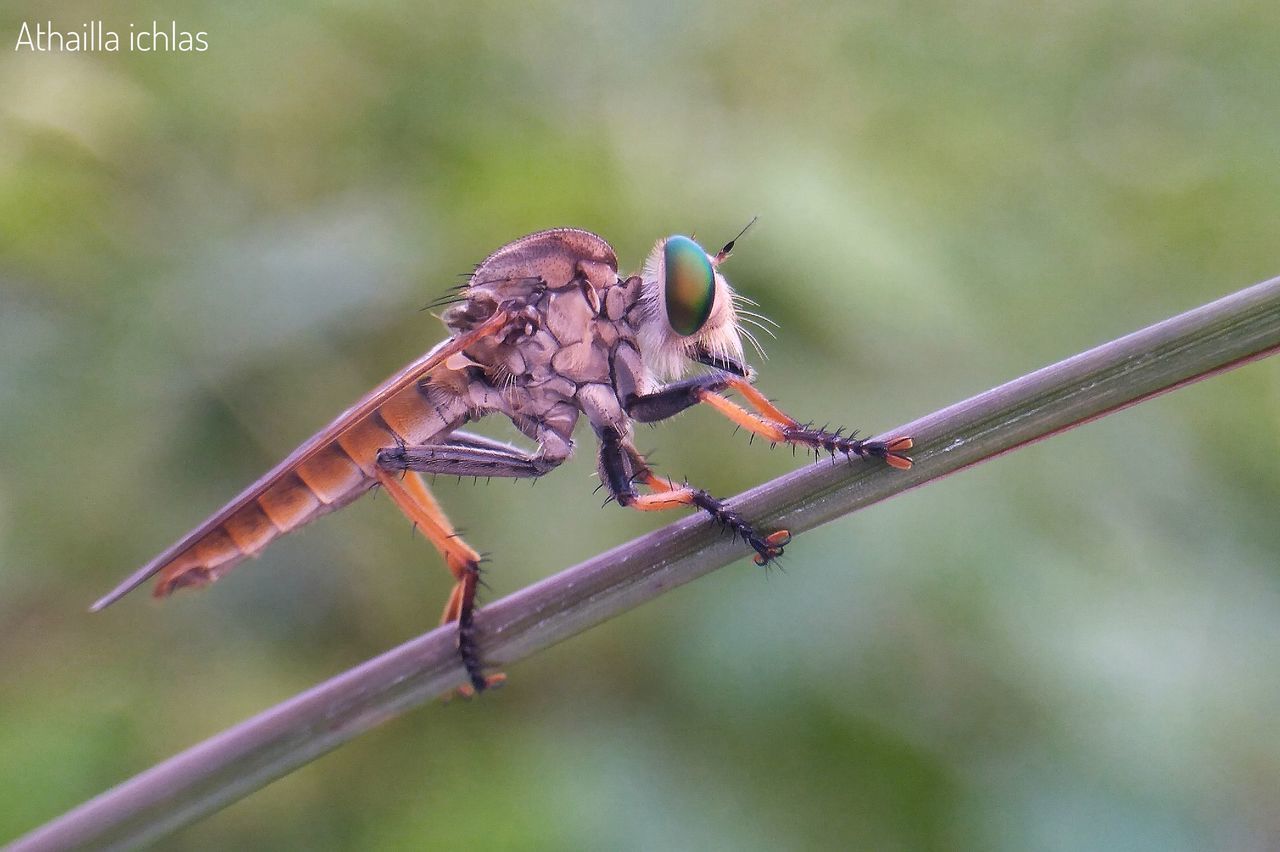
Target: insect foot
(892,451)
(469,652)
(468,691)
(767,548)
(774,542)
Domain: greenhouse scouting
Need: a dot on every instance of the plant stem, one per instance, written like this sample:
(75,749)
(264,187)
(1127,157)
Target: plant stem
(1216,337)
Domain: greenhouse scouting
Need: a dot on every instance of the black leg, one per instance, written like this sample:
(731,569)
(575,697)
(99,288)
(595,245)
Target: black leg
(621,465)
(671,399)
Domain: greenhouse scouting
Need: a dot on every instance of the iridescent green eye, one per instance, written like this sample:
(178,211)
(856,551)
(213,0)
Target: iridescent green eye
(690,285)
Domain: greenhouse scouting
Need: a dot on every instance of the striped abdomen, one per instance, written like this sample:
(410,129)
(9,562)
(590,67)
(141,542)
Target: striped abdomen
(333,468)
(332,477)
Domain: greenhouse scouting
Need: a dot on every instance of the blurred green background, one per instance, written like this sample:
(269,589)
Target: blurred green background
(204,257)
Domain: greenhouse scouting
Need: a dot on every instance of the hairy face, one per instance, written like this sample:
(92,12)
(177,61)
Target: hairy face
(688,311)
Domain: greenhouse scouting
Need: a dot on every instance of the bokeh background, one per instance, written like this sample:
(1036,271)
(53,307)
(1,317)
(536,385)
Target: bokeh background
(204,257)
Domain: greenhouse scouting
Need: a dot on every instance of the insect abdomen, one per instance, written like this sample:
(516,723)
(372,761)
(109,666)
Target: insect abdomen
(326,478)
(327,481)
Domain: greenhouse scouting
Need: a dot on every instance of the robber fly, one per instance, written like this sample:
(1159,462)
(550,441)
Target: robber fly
(544,332)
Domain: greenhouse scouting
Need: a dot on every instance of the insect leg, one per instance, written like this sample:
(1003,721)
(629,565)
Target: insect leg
(410,494)
(469,455)
(462,455)
(671,399)
(621,465)
(774,424)
(768,421)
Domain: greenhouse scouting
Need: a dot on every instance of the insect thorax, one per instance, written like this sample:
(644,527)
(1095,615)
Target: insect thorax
(572,346)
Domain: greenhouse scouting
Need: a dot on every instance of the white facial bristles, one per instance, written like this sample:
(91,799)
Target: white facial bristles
(667,353)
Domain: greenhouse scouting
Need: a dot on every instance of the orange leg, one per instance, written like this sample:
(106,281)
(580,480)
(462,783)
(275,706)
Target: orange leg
(621,464)
(411,496)
(778,427)
(671,498)
(645,474)
(767,547)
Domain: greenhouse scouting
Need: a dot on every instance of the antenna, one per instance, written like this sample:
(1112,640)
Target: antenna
(728,247)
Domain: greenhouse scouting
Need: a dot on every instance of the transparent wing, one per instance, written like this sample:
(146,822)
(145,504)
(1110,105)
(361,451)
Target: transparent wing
(327,471)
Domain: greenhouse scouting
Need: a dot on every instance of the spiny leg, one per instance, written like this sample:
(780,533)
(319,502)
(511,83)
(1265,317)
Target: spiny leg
(767,547)
(461,455)
(410,494)
(769,422)
(776,425)
(621,465)
(470,455)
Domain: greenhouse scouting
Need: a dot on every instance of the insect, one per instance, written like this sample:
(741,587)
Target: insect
(544,332)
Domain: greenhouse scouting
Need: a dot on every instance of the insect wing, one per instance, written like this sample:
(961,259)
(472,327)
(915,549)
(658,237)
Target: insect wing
(323,439)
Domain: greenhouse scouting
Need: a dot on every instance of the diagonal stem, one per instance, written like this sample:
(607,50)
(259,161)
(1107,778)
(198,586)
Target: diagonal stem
(1211,339)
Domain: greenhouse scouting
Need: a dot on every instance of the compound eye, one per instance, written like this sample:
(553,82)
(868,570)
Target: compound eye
(690,285)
